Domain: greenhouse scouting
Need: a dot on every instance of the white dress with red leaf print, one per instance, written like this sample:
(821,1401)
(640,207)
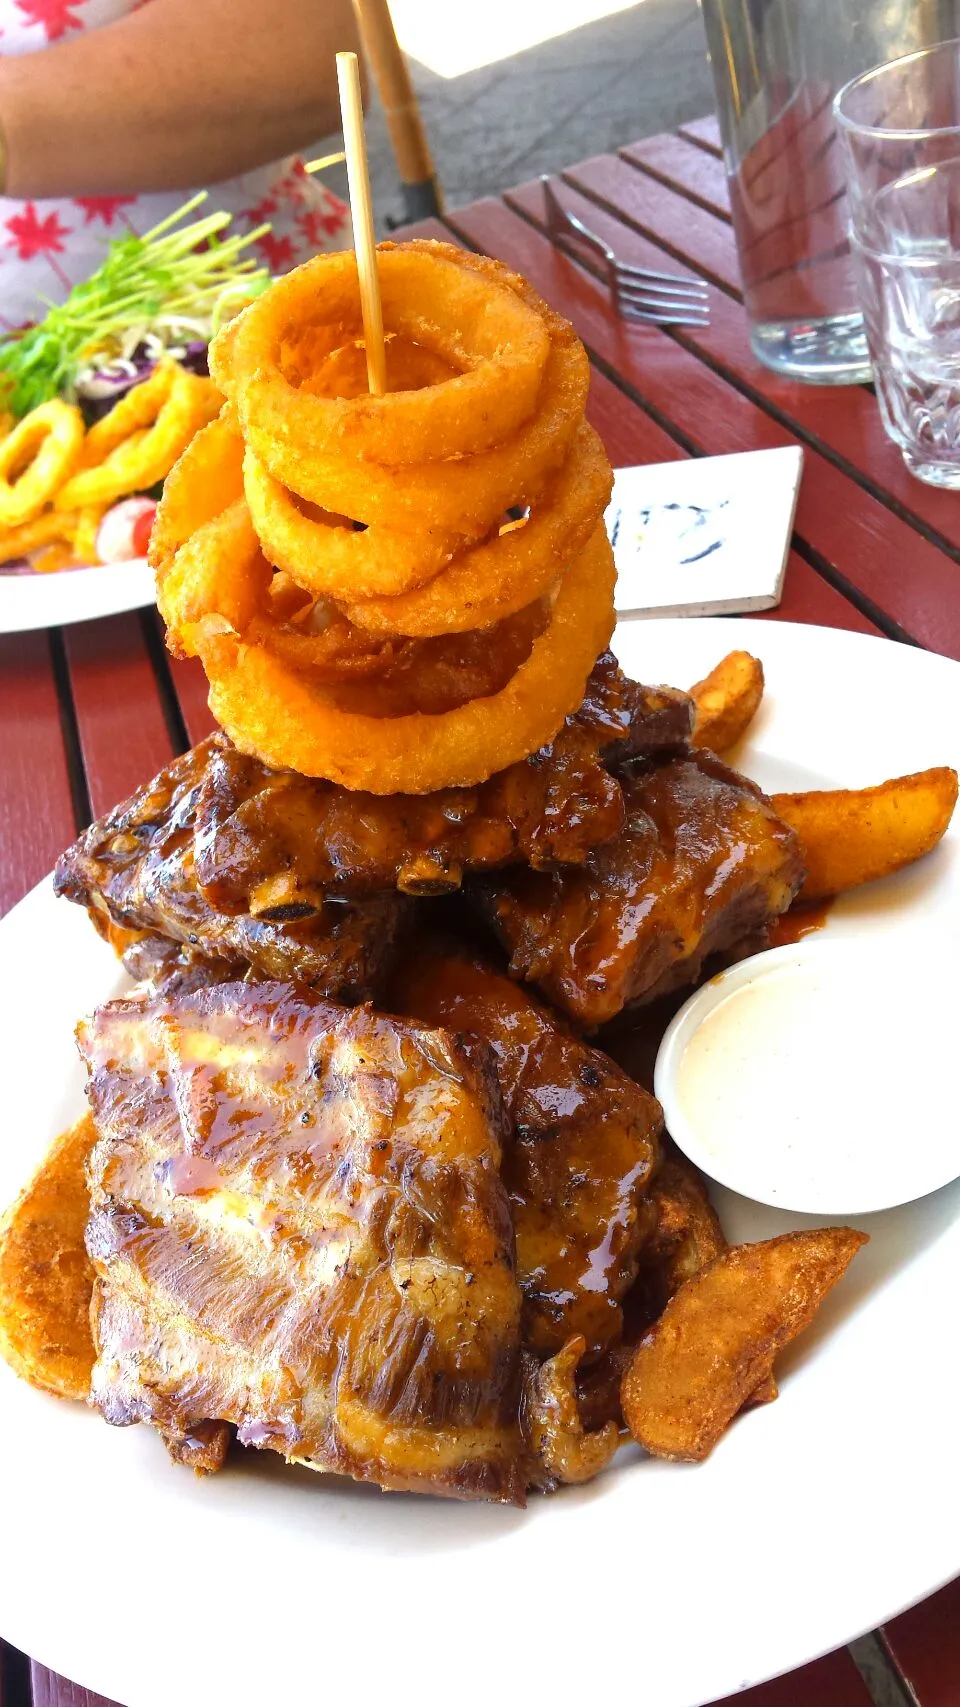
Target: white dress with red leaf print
(48,246)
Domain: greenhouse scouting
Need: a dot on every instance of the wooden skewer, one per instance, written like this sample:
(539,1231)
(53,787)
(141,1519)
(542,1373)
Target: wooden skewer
(324,161)
(361,212)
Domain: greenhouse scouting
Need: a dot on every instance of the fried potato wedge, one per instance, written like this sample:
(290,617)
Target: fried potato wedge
(717,1338)
(727,701)
(850,836)
(46,1277)
(688,1237)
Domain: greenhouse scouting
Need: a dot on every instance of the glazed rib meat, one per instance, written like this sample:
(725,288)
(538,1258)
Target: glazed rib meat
(702,867)
(584,1147)
(266,839)
(135,872)
(299,1230)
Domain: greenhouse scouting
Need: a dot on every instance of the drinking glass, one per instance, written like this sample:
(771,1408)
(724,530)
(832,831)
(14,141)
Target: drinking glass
(896,118)
(777,65)
(906,248)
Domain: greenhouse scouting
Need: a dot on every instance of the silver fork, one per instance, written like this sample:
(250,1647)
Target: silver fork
(661,299)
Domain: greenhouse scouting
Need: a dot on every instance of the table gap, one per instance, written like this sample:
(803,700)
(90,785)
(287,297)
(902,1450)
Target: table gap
(675,184)
(695,130)
(70,730)
(14,1677)
(169,703)
(730,377)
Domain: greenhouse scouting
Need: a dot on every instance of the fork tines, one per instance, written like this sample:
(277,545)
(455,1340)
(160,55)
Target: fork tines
(639,293)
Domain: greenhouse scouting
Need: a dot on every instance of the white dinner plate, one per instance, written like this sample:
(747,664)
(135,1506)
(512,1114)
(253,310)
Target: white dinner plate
(73,595)
(815,1518)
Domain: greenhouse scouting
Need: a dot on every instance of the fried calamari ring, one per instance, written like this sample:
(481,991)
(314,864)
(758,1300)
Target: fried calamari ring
(329,556)
(205,481)
(51,527)
(148,449)
(85,533)
(136,409)
(35,460)
(269,710)
(468,493)
(475,324)
(490,581)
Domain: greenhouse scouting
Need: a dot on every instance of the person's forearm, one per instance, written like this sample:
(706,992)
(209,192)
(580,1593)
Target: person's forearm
(180,93)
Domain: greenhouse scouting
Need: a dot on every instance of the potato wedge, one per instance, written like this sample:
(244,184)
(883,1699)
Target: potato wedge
(850,836)
(716,1341)
(727,701)
(46,1277)
(687,1239)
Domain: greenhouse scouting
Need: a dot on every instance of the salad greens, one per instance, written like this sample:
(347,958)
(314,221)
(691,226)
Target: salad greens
(166,277)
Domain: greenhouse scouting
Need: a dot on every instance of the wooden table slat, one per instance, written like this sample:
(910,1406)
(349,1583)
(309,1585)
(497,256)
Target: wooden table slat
(37,817)
(924,1645)
(123,731)
(50,1690)
(833,1681)
(705,131)
(844,420)
(687,168)
(858,539)
(702,240)
(632,436)
(191,688)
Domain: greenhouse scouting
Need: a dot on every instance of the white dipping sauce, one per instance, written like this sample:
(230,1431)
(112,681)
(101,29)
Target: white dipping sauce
(821,1076)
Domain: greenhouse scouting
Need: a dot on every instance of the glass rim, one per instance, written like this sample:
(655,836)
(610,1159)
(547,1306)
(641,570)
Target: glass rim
(860,241)
(894,132)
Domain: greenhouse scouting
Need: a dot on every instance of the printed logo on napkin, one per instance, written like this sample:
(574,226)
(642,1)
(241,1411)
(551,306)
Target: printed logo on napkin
(706,536)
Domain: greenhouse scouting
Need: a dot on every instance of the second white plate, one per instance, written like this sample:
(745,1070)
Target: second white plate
(73,595)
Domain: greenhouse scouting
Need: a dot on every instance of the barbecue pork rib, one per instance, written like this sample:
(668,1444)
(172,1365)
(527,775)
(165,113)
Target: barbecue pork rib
(299,1229)
(702,867)
(585,1144)
(267,839)
(135,872)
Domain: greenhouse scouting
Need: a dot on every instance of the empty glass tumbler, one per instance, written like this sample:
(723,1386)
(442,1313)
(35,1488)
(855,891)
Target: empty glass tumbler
(906,246)
(897,117)
(777,65)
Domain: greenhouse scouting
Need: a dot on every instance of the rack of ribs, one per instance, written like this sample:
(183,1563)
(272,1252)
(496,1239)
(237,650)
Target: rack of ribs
(299,1231)
(701,867)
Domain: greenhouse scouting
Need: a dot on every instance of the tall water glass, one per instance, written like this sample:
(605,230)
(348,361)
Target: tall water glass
(906,246)
(777,65)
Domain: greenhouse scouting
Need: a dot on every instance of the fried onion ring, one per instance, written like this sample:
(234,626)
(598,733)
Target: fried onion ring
(477,324)
(492,580)
(218,580)
(269,710)
(35,460)
(328,556)
(467,493)
(206,480)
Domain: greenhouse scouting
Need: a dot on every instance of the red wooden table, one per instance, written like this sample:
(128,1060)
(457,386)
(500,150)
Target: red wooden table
(88,712)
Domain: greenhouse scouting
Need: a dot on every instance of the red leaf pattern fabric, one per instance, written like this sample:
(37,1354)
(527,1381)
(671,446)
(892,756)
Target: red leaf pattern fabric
(104,208)
(55,17)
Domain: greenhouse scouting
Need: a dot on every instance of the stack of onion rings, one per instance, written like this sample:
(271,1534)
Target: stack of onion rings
(342,563)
